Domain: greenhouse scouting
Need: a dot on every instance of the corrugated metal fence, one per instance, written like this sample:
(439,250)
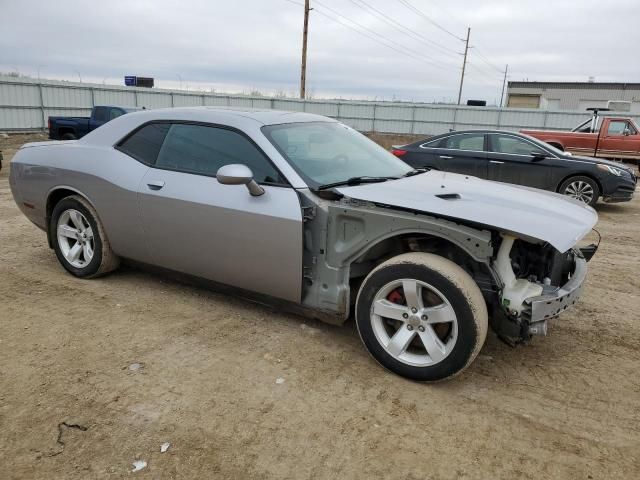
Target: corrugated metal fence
(26,104)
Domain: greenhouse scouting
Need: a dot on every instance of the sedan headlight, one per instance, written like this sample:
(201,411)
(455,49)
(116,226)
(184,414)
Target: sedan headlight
(618,172)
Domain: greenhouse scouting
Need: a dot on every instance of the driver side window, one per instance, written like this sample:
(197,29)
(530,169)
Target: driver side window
(202,150)
(618,127)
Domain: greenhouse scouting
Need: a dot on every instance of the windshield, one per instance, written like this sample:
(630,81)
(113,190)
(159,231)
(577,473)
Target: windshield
(323,153)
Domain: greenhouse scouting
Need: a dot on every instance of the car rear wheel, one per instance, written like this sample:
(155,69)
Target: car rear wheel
(421,316)
(584,189)
(79,239)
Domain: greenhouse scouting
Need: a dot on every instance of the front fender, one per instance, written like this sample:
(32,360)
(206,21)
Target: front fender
(352,230)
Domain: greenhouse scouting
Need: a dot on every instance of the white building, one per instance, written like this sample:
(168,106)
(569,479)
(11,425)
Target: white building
(576,96)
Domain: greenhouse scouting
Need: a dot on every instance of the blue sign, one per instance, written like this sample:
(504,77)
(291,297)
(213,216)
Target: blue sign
(130,81)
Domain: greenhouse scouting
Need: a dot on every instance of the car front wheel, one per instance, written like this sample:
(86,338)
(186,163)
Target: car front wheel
(421,316)
(79,239)
(584,189)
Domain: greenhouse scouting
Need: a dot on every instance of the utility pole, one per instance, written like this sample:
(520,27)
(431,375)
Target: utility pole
(464,64)
(504,82)
(303,67)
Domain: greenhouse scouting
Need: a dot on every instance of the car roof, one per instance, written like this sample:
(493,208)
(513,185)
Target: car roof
(459,132)
(215,114)
(245,119)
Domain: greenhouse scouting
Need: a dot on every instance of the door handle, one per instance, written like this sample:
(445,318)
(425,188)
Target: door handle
(155,184)
(495,161)
(446,157)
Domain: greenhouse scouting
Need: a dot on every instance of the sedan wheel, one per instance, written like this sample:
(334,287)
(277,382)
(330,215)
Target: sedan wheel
(583,189)
(421,316)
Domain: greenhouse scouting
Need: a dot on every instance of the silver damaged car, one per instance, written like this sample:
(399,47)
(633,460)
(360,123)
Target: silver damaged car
(308,213)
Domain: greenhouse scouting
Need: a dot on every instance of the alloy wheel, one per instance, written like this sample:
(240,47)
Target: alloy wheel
(414,322)
(75,238)
(580,190)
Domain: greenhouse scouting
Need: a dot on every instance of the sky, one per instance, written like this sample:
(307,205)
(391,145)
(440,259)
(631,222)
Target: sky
(358,49)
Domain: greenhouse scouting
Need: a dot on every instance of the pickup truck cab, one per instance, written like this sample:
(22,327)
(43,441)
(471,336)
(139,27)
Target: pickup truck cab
(71,128)
(606,137)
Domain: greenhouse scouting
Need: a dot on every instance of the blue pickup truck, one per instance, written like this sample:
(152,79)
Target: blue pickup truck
(70,128)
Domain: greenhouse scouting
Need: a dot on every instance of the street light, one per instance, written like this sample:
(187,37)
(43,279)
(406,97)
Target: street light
(79,76)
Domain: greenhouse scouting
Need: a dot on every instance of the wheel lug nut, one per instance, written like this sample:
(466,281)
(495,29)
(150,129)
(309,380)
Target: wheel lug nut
(409,327)
(414,310)
(405,315)
(421,328)
(425,318)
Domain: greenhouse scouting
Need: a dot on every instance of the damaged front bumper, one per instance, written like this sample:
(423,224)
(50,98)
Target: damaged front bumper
(555,300)
(526,306)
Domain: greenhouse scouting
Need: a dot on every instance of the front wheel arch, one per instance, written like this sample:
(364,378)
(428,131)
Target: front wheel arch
(557,145)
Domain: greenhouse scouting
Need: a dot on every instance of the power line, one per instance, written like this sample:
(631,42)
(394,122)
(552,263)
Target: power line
(403,28)
(482,78)
(486,60)
(428,19)
(482,71)
(375,36)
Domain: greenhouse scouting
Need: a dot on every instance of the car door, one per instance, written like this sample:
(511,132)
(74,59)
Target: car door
(195,225)
(462,153)
(620,141)
(511,160)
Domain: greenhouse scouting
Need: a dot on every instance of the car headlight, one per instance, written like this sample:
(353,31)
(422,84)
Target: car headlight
(618,172)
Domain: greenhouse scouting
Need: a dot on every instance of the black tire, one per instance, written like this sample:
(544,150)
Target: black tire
(103,259)
(461,292)
(68,136)
(566,188)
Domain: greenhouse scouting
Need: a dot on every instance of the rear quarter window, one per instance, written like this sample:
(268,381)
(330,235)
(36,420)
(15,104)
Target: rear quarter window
(144,144)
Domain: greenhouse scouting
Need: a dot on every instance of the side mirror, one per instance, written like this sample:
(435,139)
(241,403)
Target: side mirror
(238,174)
(538,155)
(626,132)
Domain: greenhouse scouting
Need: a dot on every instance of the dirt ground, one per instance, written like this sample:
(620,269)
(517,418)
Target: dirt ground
(137,360)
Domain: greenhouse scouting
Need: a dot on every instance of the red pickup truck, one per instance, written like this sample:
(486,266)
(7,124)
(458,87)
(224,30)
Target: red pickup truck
(606,137)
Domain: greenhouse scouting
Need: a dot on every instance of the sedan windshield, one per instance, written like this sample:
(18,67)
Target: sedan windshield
(325,153)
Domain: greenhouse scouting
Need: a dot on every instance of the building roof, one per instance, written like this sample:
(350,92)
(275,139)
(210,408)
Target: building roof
(577,85)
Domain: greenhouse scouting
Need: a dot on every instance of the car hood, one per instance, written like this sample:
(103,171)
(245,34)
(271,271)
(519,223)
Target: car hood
(524,211)
(596,160)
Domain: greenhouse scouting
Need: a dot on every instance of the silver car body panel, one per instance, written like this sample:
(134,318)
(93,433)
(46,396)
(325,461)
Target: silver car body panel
(198,226)
(525,212)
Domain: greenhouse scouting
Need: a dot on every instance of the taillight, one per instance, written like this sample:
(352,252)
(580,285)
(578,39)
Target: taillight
(398,153)
(49,124)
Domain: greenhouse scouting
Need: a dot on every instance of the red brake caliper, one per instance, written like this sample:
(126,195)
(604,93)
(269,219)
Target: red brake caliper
(396,297)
